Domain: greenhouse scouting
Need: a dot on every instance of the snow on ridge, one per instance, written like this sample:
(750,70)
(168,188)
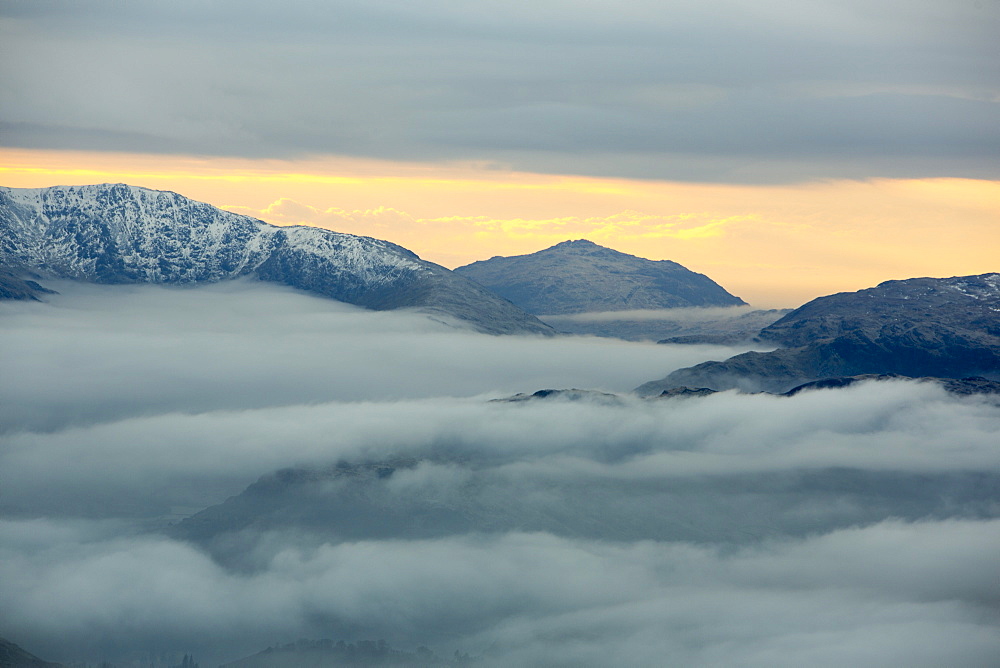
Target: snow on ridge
(985,286)
(978,287)
(364,255)
(161,236)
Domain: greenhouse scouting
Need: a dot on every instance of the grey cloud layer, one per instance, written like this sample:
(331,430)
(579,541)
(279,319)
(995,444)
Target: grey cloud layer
(735,91)
(853,527)
(127,350)
(832,600)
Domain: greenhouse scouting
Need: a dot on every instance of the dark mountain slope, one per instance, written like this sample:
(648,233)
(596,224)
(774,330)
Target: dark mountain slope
(12,656)
(13,286)
(411,499)
(580,276)
(966,304)
(944,327)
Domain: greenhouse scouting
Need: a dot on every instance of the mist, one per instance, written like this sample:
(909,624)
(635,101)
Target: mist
(391,497)
(716,324)
(688,314)
(100,352)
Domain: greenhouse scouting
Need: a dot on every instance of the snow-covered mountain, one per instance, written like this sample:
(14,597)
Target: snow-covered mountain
(116,233)
(581,276)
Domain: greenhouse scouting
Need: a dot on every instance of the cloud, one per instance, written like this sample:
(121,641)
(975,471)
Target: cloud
(103,352)
(533,599)
(622,227)
(286,211)
(737,92)
(685,315)
(855,526)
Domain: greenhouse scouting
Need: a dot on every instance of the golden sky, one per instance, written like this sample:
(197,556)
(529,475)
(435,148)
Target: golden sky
(772,245)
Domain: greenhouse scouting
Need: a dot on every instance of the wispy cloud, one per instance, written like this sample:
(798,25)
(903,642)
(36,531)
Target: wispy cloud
(625,226)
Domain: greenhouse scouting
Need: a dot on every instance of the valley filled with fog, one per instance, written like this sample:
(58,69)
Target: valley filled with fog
(215,470)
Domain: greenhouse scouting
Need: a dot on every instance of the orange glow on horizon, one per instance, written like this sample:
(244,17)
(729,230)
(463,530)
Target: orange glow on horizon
(773,245)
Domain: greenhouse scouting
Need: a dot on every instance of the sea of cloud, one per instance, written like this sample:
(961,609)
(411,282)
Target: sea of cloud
(690,314)
(838,527)
(97,354)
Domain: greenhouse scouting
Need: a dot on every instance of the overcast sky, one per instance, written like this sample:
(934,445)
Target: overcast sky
(733,90)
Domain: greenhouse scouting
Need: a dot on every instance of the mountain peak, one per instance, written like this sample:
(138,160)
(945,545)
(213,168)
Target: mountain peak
(579,275)
(581,246)
(575,243)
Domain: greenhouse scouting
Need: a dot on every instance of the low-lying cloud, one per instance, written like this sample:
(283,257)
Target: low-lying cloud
(920,594)
(148,464)
(836,527)
(100,353)
(698,314)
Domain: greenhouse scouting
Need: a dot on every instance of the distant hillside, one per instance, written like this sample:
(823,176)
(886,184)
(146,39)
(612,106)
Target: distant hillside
(13,286)
(361,501)
(580,276)
(943,327)
(12,656)
(326,653)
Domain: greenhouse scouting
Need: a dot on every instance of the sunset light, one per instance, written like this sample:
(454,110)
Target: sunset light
(774,245)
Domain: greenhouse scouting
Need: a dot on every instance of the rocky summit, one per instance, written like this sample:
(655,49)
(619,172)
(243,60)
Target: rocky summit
(581,276)
(116,233)
(920,327)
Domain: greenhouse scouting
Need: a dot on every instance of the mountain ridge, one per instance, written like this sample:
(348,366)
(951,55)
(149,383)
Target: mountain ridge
(918,327)
(117,233)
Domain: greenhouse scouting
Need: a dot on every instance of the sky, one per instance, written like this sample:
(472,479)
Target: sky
(786,149)
(835,527)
